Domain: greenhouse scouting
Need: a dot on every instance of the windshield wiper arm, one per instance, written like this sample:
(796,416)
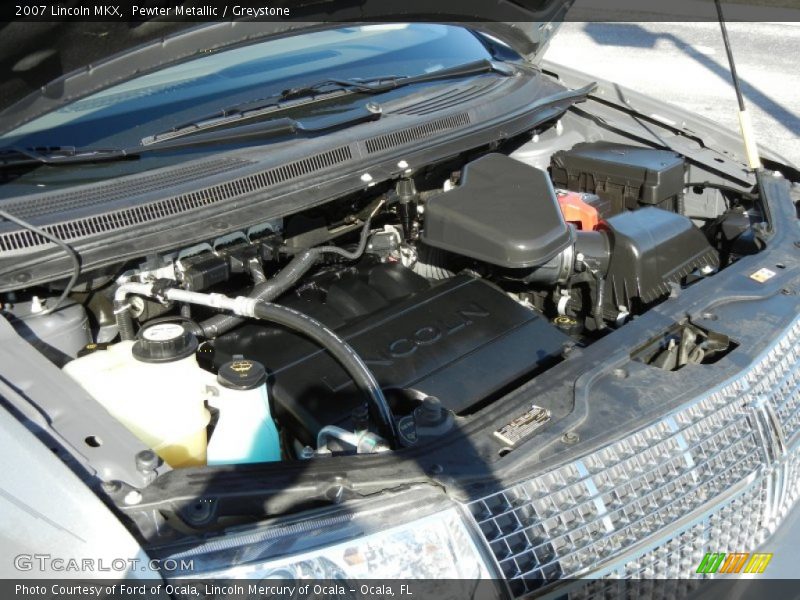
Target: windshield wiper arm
(224,121)
(199,136)
(379,85)
(13,157)
(323,90)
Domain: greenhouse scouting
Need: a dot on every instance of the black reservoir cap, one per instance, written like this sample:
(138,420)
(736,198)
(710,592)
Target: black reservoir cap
(504,213)
(164,342)
(242,374)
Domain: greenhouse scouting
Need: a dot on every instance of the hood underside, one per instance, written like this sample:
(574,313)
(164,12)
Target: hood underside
(46,65)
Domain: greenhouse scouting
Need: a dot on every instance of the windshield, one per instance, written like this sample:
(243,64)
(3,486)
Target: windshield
(122,115)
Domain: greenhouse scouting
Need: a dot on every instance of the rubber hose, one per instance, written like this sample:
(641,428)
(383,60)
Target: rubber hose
(362,242)
(283,282)
(341,351)
(597,313)
(124,321)
(266,291)
(256,270)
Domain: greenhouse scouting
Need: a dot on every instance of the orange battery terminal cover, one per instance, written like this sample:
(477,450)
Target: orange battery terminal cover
(577,211)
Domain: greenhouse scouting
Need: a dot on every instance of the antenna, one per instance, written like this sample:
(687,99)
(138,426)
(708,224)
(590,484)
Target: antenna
(746,126)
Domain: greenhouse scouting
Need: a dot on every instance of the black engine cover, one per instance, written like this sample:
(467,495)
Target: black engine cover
(461,340)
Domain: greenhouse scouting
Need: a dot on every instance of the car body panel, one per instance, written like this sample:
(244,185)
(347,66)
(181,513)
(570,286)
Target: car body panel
(588,396)
(50,517)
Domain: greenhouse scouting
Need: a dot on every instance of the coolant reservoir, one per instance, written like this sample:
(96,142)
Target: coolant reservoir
(155,387)
(245,431)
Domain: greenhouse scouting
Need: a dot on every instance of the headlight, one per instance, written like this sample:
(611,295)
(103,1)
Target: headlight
(414,536)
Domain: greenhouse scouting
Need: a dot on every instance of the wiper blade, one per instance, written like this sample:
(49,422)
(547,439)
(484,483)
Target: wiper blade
(13,157)
(218,128)
(323,90)
(199,137)
(379,85)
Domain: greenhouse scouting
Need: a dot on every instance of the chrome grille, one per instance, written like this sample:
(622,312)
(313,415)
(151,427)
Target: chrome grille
(680,555)
(650,505)
(777,379)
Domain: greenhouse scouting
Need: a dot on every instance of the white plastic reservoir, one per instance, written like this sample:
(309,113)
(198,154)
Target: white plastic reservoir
(245,431)
(155,387)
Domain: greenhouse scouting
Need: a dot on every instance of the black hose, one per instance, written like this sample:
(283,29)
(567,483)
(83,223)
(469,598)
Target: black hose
(283,282)
(73,256)
(350,255)
(597,312)
(266,291)
(342,352)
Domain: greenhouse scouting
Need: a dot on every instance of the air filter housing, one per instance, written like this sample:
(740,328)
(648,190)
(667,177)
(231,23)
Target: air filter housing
(504,213)
(651,249)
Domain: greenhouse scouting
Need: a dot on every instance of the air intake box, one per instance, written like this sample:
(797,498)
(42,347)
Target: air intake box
(652,248)
(461,340)
(504,213)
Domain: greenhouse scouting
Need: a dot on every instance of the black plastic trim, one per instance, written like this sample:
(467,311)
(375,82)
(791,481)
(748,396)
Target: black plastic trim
(524,103)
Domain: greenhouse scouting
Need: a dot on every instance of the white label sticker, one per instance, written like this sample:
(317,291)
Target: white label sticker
(162,332)
(763,275)
(523,426)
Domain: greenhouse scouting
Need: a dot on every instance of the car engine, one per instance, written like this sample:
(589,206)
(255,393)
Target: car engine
(378,321)
(461,341)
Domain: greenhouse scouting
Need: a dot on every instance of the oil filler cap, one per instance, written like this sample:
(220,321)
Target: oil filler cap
(242,374)
(164,342)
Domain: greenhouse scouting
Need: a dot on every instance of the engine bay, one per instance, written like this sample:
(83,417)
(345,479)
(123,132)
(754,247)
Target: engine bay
(380,321)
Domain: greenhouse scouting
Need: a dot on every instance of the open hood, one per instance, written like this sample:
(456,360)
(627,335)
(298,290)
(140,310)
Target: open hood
(46,65)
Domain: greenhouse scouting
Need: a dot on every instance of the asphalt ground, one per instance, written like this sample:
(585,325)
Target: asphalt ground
(685,64)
